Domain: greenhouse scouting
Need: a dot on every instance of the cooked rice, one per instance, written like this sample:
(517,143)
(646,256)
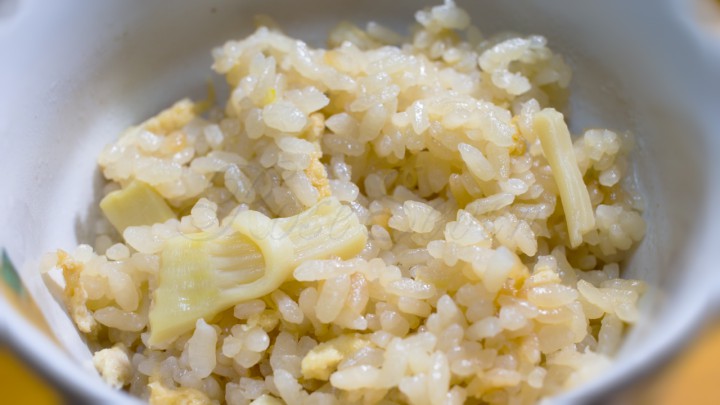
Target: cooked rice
(469,286)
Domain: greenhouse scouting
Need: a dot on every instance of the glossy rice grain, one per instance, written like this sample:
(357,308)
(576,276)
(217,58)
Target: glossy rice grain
(472,285)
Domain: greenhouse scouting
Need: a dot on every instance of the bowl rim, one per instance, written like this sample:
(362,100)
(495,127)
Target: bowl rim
(52,363)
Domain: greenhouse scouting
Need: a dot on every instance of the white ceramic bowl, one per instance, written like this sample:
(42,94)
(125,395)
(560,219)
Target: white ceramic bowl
(75,73)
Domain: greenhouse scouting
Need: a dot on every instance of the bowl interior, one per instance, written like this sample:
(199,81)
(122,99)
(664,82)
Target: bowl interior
(76,82)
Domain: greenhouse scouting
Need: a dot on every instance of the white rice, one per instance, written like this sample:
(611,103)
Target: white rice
(467,289)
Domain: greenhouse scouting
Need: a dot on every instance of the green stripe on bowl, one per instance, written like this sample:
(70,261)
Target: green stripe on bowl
(9,274)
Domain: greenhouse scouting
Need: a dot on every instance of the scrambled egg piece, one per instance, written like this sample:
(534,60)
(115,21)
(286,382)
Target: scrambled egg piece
(316,170)
(266,320)
(518,148)
(321,361)
(160,395)
(75,295)
(113,364)
(318,175)
(172,119)
(316,128)
(519,145)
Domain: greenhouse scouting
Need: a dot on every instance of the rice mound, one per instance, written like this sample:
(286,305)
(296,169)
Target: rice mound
(468,288)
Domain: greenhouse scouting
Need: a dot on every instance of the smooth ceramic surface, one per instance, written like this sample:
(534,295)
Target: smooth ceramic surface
(75,73)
